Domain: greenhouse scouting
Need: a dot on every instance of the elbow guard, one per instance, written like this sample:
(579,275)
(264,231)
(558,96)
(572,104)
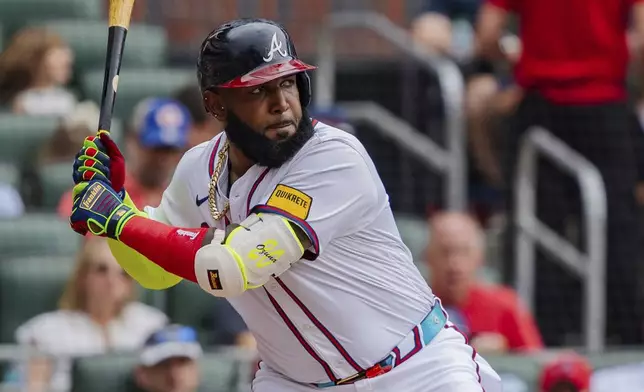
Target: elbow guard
(264,245)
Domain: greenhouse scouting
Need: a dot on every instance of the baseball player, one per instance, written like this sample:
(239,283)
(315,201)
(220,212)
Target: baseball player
(287,218)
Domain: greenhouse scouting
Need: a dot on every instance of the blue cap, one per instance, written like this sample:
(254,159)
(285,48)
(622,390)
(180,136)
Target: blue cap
(173,341)
(162,122)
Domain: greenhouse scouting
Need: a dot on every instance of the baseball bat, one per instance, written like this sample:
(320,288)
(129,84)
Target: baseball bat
(120,12)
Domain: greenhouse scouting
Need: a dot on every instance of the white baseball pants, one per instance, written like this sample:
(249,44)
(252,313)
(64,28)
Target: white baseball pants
(446,364)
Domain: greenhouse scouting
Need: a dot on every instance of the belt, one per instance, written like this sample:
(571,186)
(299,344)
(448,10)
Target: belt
(421,335)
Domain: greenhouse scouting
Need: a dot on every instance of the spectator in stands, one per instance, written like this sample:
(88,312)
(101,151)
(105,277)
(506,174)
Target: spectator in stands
(11,203)
(73,129)
(446,27)
(204,126)
(491,316)
(227,328)
(156,139)
(34,70)
(97,314)
(573,70)
(169,361)
(566,373)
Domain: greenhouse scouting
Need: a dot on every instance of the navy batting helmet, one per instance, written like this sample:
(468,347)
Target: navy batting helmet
(249,52)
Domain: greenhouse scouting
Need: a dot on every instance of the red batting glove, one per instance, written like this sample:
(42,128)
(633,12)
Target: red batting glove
(117,162)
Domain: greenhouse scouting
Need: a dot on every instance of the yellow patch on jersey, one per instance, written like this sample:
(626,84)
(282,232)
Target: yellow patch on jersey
(291,200)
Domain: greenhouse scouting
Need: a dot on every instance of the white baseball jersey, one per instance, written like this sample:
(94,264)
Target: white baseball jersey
(356,293)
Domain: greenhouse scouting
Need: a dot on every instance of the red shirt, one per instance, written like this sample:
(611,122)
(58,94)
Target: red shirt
(139,195)
(574,51)
(497,309)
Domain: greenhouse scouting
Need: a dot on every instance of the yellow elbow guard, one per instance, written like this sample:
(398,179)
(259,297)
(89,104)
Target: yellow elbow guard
(260,248)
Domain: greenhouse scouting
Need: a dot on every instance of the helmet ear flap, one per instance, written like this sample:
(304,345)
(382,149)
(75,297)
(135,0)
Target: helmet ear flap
(303,81)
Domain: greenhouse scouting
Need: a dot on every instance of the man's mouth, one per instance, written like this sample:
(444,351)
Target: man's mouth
(280,125)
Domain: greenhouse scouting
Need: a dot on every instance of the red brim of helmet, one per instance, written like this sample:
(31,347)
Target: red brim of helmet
(267,73)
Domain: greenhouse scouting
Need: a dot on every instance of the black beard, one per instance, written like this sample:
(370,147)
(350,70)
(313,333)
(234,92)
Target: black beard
(262,150)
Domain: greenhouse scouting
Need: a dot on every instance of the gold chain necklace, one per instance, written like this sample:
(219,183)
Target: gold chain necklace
(214,180)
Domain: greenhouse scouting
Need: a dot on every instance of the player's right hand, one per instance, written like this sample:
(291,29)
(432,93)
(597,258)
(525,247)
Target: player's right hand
(100,159)
(99,209)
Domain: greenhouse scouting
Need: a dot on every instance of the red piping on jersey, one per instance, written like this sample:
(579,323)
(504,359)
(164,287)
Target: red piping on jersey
(254,188)
(304,225)
(300,338)
(322,328)
(417,346)
(213,154)
(467,341)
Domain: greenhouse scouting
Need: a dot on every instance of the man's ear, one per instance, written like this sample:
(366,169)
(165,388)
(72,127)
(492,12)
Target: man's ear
(214,105)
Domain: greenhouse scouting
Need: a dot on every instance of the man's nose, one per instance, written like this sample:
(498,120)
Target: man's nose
(279,104)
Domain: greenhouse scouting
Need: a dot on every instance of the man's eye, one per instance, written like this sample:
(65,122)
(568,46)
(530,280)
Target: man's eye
(288,83)
(256,91)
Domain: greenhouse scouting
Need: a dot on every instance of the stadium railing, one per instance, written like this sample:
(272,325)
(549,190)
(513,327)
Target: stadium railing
(590,264)
(451,161)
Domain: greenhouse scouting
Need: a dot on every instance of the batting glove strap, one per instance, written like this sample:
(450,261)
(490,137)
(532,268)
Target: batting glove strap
(117,220)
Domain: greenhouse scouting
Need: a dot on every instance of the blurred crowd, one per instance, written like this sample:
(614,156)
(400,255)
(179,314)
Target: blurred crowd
(519,61)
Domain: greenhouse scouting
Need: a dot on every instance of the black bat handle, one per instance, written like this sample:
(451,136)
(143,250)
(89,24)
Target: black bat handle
(115,45)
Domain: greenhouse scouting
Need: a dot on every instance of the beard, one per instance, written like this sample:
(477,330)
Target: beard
(262,150)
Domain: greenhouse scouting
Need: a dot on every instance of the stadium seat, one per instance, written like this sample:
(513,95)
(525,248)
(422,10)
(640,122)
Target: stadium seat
(22,136)
(414,232)
(16,13)
(103,373)
(29,286)
(523,367)
(196,315)
(55,180)
(615,358)
(145,47)
(37,234)
(136,85)
(9,174)
(110,373)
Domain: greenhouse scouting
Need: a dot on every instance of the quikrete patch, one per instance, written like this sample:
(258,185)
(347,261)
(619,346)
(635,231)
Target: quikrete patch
(291,200)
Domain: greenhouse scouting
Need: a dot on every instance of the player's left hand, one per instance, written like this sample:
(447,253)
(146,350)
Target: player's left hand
(100,159)
(99,209)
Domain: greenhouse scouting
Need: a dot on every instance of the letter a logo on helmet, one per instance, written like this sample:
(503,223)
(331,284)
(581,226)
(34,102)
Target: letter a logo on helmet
(237,54)
(276,46)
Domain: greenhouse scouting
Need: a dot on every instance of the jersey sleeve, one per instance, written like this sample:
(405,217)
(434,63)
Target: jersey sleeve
(177,207)
(329,193)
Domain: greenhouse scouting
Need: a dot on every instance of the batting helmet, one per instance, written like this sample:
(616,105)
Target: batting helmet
(249,52)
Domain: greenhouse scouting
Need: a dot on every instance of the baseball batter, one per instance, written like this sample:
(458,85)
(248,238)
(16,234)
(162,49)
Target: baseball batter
(287,218)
